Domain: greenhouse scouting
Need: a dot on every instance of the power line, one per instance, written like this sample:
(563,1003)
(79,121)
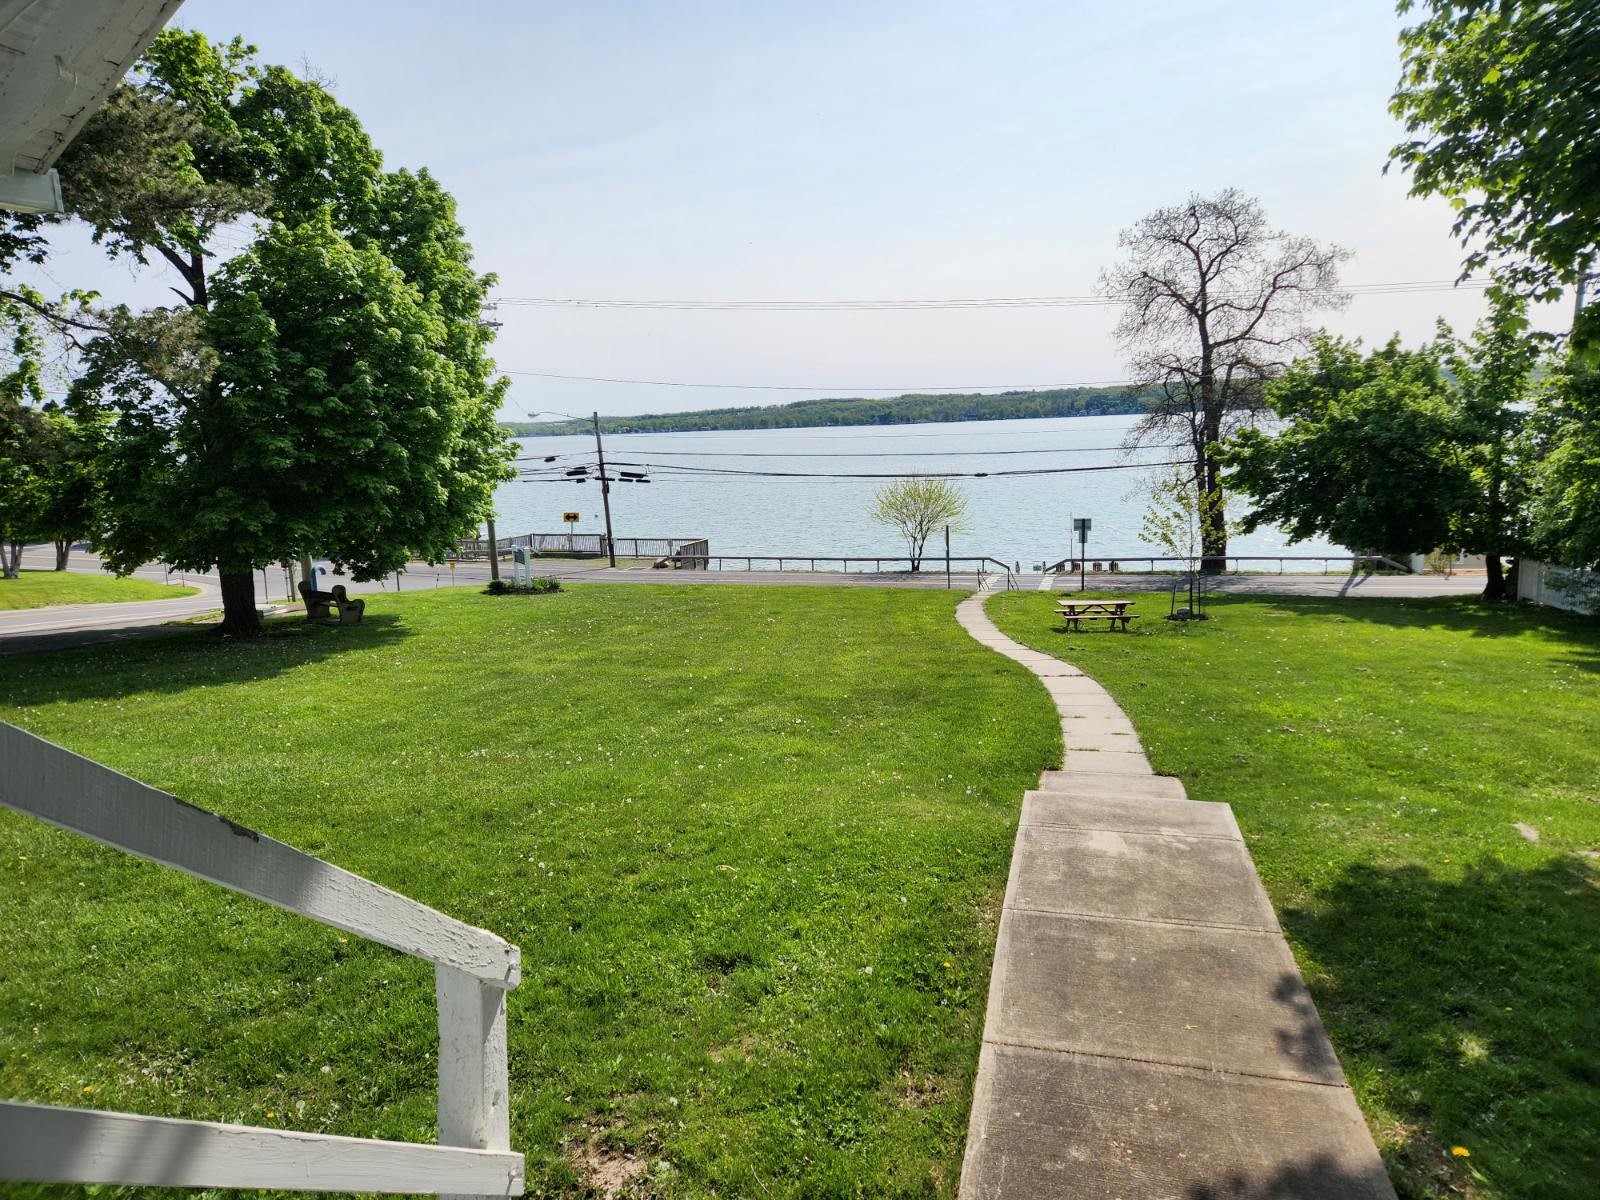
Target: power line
(1368,289)
(1394,288)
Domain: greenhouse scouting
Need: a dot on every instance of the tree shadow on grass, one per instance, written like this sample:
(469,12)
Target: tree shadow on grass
(1585,658)
(1466,1008)
(1463,614)
(185,659)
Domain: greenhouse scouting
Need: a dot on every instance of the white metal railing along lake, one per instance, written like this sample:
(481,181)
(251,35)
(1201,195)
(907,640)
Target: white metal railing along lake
(473,971)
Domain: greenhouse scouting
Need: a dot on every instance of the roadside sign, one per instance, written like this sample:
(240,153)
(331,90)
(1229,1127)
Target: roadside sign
(1080,526)
(571,518)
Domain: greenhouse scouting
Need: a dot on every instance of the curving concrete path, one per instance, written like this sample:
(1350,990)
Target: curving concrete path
(1148,1034)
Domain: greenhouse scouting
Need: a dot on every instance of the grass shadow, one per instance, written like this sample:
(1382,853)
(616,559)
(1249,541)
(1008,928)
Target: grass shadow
(1468,614)
(185,659)
(1466,1006)
(1463,614)
(1319,1178)
(1585,659)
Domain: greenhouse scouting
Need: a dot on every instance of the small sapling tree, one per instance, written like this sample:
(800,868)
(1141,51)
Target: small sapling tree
(916,507)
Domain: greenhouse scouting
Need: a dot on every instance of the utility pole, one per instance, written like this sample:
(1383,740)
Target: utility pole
(605,491)
(947,558)
(494,552)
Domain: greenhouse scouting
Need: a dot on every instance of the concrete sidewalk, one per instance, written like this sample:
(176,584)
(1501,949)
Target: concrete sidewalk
(1148,1035)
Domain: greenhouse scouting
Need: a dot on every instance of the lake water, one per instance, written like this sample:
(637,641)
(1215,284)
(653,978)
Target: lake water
(1022,519)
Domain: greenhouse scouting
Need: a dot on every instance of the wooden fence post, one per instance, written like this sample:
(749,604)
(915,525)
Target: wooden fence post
(474,1104)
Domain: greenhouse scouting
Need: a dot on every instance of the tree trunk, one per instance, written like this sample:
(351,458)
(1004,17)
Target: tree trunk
(62,548)
(11,559)
(1213,520)
(1494,587)
(239,615)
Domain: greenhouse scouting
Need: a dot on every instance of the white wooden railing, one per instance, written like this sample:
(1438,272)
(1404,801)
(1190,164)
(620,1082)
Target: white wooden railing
(473,971)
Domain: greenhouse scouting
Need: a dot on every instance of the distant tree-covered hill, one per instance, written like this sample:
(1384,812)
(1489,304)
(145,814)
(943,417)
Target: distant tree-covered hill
(901,410)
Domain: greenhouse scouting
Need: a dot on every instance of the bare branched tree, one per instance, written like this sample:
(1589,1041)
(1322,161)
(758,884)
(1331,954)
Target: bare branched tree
(1216,304)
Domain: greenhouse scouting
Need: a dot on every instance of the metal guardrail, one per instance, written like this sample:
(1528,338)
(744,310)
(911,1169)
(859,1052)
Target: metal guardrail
(473,971)
(591,544)
(1115,562)
(929,564)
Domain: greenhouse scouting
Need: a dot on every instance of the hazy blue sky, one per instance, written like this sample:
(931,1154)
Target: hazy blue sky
(721,150)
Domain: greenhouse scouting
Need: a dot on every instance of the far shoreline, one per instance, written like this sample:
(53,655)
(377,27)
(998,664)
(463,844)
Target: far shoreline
(855,412)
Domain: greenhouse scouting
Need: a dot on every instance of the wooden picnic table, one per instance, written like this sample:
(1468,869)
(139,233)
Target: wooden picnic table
(1075,612)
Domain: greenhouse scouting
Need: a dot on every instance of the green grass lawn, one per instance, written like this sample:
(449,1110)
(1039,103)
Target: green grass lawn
(752,842)
(1377,754)
(38,589)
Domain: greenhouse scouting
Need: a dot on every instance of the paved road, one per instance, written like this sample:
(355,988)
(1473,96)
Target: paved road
(35,629)
(64,625)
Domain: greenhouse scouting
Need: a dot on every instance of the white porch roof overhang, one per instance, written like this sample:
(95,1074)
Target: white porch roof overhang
(59,60)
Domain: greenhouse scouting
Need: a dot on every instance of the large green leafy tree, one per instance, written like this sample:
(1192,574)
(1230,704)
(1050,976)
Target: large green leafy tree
(1370,453)
(73,475)
(22,430)
(49,477)
(328,390)
(21,480)
(1503,118)
(1494,374)
(330,417)
(1566,477)
(1401,450)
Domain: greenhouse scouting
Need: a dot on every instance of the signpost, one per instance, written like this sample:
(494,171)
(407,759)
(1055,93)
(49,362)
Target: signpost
(1080,529)
(571,518)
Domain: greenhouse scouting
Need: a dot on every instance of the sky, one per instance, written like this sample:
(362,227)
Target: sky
(720,150)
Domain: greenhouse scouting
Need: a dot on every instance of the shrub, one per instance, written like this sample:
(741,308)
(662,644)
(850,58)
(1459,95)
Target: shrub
(499,587)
